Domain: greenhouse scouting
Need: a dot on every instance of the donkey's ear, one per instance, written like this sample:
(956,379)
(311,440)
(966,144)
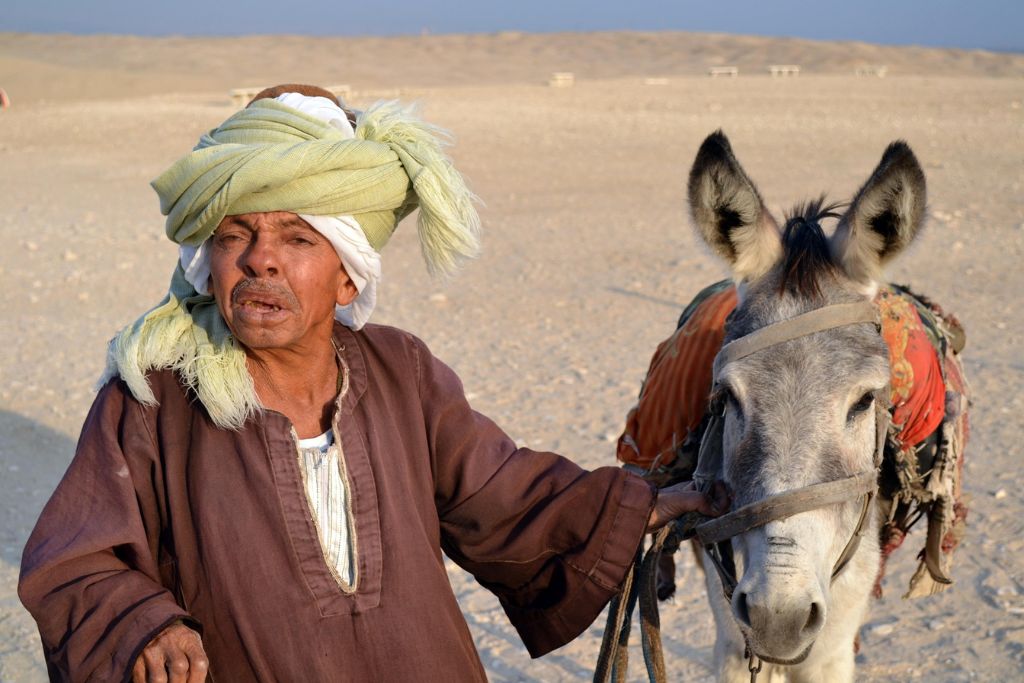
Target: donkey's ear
(884,217)
(729,213)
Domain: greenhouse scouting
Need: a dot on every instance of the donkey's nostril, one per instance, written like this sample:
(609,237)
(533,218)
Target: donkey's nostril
(742,610)
(815,619)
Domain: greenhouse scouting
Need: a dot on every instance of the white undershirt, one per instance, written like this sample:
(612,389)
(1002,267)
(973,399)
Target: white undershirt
(323,472)
(322,442)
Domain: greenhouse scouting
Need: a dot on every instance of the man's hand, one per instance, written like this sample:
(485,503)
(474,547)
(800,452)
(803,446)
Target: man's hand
(176,655)
(675,501)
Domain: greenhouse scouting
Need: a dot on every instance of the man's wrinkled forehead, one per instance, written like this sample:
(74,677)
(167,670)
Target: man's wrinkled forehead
(277,219)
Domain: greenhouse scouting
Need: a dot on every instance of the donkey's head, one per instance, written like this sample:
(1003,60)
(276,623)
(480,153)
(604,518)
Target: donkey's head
(801,412)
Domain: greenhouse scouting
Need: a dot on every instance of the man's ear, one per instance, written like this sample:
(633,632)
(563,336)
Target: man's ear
(347,291)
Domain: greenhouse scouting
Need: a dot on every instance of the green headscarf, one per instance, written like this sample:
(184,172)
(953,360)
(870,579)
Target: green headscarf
(272,157)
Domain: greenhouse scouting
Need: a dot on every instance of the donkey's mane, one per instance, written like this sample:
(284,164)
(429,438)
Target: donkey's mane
(807,258)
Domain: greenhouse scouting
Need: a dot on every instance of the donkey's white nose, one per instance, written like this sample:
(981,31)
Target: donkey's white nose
(779,626)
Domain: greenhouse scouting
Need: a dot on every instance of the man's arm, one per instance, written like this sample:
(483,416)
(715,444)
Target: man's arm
(90,574)
(551,540)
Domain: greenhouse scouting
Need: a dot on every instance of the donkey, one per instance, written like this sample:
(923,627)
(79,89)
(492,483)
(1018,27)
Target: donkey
(802,412)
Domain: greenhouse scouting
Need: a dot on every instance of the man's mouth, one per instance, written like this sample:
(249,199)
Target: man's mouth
(257,296)
(260,306)
(260,310)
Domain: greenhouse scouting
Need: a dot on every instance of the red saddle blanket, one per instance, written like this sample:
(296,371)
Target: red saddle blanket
(923,465)
(674,396)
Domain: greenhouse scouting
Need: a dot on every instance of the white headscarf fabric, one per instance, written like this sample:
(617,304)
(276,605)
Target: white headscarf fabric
(361,261)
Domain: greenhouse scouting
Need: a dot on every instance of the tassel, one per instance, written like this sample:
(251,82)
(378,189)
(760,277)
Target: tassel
(167,337)
(449,226)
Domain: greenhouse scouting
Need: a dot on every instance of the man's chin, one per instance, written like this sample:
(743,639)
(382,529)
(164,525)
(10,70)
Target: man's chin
(276,330)
(262,336)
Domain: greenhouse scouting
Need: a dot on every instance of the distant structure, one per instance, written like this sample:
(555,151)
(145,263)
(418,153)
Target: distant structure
(562,79)
(242,96)
(342,92)
(730,71)
(784,70)
(868,70)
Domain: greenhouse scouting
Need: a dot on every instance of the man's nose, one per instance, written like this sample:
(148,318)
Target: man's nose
(260,258)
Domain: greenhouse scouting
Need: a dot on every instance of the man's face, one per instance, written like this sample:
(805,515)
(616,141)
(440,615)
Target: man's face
(276,280)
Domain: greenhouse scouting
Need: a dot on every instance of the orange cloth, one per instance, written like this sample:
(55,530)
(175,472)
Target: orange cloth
(918,394)
(674,395)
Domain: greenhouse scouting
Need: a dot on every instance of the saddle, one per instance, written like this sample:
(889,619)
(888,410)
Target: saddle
(922,467)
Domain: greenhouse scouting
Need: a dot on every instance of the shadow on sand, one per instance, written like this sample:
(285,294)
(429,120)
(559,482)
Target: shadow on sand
(33,458)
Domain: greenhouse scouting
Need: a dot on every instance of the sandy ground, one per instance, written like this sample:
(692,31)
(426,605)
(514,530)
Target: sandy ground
(589,259)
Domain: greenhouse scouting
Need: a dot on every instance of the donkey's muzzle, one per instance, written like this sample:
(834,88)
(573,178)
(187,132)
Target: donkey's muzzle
(779,628)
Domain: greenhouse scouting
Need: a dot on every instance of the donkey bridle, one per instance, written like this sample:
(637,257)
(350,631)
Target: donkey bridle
(715,534)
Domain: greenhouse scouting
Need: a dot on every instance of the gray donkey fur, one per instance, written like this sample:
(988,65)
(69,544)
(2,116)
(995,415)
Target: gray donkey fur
(801,412)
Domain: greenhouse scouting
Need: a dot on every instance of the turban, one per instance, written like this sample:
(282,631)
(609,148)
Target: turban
(361,260)
(274,157)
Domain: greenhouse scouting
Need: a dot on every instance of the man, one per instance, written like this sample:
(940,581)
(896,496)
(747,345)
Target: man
(264,487)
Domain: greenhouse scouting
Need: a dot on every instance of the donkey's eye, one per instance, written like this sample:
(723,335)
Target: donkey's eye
(731,402)
(861,406)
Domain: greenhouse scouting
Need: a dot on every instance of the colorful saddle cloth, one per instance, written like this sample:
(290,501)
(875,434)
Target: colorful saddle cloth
(923,465)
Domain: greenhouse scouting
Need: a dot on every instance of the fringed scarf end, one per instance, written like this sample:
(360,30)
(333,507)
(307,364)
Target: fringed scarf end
(168,338)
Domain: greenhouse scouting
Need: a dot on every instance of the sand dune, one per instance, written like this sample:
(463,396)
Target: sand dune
(98,67)
(588,260)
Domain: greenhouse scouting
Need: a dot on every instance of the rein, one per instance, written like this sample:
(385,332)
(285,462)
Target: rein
(783,505)
(715,534)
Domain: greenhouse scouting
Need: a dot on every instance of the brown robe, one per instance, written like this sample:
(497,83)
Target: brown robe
(163,516)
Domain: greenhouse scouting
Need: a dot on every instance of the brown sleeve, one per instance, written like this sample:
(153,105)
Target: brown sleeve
(88,574)
(551,540)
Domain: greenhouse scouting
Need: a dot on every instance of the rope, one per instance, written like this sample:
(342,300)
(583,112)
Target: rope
(640,586)
(613,659)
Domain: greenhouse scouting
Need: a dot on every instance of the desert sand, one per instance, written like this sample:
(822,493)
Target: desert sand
(589,258)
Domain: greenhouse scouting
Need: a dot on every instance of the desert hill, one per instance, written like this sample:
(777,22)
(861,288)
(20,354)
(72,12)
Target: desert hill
(37,66)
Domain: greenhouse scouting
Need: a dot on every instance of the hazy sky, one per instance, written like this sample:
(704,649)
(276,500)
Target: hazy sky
(993,24)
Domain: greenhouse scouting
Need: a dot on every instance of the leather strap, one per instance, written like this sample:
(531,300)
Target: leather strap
(854,542)
(818,320)
(785,505)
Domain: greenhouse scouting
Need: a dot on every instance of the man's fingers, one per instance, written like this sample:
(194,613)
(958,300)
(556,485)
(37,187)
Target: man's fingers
(199,665)
(721,497)
(139,671)
(156,664)
(177,666)
(689,501)
(675,501)
(175,655)
(686,498)
(198,669)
